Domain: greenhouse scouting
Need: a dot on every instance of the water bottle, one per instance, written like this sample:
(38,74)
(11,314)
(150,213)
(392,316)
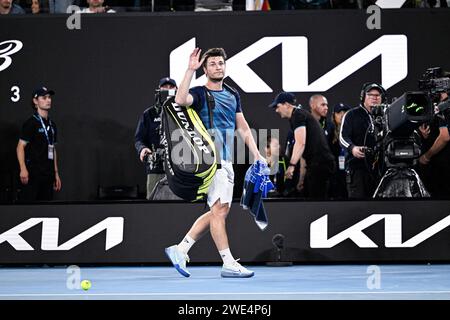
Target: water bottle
(341,159)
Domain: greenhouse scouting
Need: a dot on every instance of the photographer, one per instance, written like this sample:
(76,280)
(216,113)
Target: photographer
(147,137)
(356,138)
(437,156)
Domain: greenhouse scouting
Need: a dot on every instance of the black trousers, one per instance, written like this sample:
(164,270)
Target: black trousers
(440,174)
(338,185)
(317,179)
(39,188)
(360,183)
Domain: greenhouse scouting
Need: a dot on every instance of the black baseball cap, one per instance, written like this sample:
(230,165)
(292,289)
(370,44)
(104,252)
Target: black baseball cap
(42,91)
(283,97)
(341,107)
(167,80)
(373,85)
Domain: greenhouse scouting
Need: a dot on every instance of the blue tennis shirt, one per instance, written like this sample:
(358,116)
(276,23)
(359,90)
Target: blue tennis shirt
(227,104)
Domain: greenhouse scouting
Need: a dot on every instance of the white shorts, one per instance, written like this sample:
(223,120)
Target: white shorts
(222,185)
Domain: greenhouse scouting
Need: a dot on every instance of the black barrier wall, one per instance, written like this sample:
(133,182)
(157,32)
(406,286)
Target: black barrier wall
(104,73)
(378,231)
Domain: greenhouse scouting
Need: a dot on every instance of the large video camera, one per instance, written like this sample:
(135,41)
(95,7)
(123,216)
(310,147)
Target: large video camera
(434,81)
(398,144)
(160,97)
(395,125)
(397,141)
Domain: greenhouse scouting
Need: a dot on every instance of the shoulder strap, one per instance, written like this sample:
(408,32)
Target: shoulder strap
(211,105)
(229,88)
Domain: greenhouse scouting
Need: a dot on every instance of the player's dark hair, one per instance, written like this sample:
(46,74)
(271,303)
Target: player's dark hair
(213,52)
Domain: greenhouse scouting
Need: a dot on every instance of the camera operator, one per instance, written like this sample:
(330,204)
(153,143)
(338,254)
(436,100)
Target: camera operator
(356,137)
(148,138)
(437,157)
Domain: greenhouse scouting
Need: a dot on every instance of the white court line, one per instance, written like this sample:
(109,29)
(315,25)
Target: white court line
(218,293)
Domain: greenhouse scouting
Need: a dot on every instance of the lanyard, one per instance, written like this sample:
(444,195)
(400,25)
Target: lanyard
(322,122)
(46,129)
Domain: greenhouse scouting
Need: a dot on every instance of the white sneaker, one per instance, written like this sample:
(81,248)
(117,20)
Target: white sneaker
(236,270)
(178,259)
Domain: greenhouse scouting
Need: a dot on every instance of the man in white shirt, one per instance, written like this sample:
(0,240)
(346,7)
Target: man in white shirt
(96,6)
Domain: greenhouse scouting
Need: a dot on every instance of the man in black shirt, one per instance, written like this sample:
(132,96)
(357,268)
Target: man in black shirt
(319,110)
(355,136)
(36,151)
(310,143)
(437,152)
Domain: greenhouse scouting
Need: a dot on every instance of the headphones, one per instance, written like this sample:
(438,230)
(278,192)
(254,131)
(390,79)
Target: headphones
(369,86)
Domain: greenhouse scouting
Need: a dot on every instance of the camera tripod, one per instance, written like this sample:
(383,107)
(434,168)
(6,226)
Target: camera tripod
(401,182)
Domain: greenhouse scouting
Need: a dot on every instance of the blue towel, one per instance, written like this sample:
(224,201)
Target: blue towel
(256,186)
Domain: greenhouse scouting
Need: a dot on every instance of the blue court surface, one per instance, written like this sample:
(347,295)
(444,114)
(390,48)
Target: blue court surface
(317,282)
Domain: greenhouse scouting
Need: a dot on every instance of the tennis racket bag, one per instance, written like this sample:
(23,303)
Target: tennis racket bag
(190,159)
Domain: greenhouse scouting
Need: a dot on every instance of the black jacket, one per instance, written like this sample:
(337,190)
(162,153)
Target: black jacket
(354,132)
(148,134)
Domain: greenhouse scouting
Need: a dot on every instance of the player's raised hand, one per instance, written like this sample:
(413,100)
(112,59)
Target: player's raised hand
(194,59)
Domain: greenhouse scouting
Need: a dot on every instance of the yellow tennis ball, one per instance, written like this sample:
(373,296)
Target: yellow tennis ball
(85,284)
